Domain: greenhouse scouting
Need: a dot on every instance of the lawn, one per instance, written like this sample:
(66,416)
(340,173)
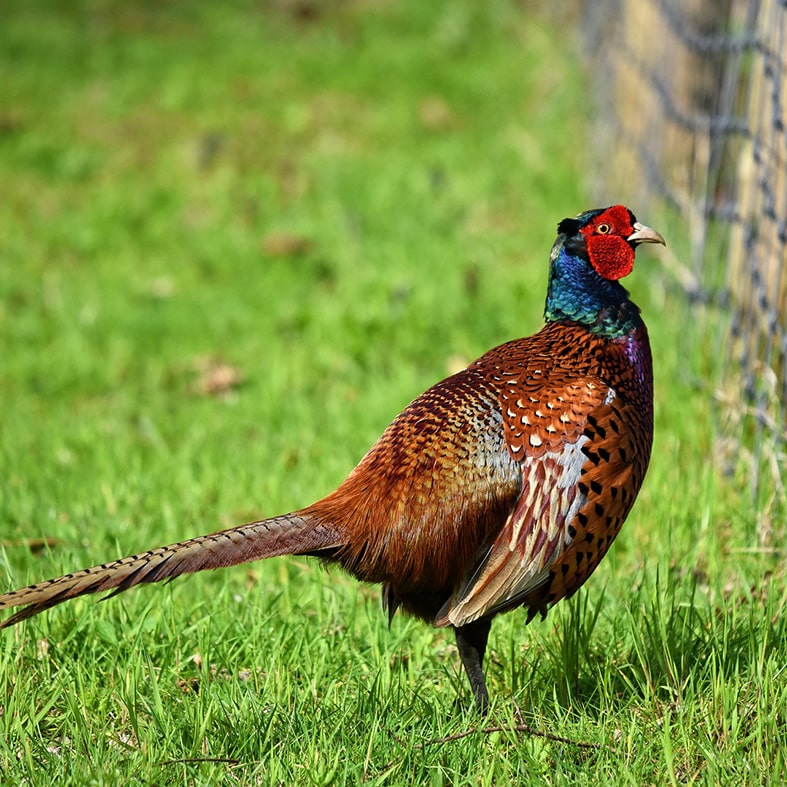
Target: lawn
(235,240)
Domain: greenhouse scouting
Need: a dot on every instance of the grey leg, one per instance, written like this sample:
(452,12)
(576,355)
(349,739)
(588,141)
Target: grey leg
(471,641)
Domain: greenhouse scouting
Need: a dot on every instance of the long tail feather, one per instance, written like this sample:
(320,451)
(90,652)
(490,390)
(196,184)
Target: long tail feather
(297,533)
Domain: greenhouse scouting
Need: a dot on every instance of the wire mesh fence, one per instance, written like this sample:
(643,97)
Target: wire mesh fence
(692,109)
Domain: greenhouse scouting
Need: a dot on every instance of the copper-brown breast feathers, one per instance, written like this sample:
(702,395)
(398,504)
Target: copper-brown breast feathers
(583,445)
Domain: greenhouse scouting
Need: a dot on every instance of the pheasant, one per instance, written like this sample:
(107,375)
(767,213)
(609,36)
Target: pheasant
(501,486)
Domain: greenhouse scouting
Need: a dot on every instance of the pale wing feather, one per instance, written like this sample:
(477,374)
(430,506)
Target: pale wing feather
(535,533)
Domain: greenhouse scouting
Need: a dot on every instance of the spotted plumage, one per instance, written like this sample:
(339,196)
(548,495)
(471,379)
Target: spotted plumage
(499,487)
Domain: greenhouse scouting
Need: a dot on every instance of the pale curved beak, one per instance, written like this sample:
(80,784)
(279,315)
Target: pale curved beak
(643,234)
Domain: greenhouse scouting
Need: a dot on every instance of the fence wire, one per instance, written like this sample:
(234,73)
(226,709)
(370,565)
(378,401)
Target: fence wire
(691,111)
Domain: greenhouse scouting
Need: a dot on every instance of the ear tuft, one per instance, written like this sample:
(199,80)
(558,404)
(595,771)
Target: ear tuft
(568,227)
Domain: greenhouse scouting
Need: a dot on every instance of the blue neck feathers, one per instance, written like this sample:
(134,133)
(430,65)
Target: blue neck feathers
(576,293)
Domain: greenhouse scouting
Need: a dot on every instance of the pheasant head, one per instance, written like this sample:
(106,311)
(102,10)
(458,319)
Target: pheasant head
(592,252)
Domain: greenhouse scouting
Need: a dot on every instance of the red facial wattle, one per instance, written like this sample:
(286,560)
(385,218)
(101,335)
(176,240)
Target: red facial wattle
(611,255)
(609,252)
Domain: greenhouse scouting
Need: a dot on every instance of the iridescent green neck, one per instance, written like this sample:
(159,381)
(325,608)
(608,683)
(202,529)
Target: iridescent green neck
(577,293)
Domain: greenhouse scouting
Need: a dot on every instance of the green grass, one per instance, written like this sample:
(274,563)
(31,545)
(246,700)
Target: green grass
(339,207)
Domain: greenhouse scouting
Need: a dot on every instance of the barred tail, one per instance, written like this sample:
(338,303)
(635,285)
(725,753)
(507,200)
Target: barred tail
(296,533)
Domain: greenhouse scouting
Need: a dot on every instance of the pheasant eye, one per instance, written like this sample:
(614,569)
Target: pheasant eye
(603,229)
